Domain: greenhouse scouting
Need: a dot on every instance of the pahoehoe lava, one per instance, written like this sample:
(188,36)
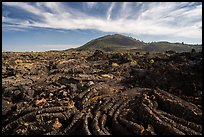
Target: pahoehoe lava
(82,102)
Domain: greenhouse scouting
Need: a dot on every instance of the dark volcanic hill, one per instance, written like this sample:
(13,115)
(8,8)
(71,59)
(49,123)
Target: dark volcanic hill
(166,46)
(111,42)
(117,42)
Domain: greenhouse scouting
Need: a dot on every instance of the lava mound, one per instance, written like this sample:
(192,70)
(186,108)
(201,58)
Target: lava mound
(78,93)
(141,111)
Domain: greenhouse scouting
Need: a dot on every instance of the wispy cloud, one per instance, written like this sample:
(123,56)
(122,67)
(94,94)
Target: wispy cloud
(176,19)
(91,4)
(109,12)
(25,6)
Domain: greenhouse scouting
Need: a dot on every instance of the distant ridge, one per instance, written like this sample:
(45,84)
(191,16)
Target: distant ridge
(118,42)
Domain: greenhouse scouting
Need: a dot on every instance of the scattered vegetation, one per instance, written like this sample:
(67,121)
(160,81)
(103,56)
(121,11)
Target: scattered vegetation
(114,65)
(151,61)
(18,62)
(133,62)
(34,55)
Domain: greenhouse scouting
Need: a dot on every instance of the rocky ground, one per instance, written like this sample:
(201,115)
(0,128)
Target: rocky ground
(102,93)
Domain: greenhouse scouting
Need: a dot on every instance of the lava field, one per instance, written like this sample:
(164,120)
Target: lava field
(101,93)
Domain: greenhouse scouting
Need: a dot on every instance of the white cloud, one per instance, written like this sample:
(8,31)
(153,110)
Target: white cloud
(125,11)
(109,12)
(91,4)
(176,19)
(24,6)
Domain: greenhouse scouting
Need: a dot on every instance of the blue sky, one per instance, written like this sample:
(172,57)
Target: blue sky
(41,26)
